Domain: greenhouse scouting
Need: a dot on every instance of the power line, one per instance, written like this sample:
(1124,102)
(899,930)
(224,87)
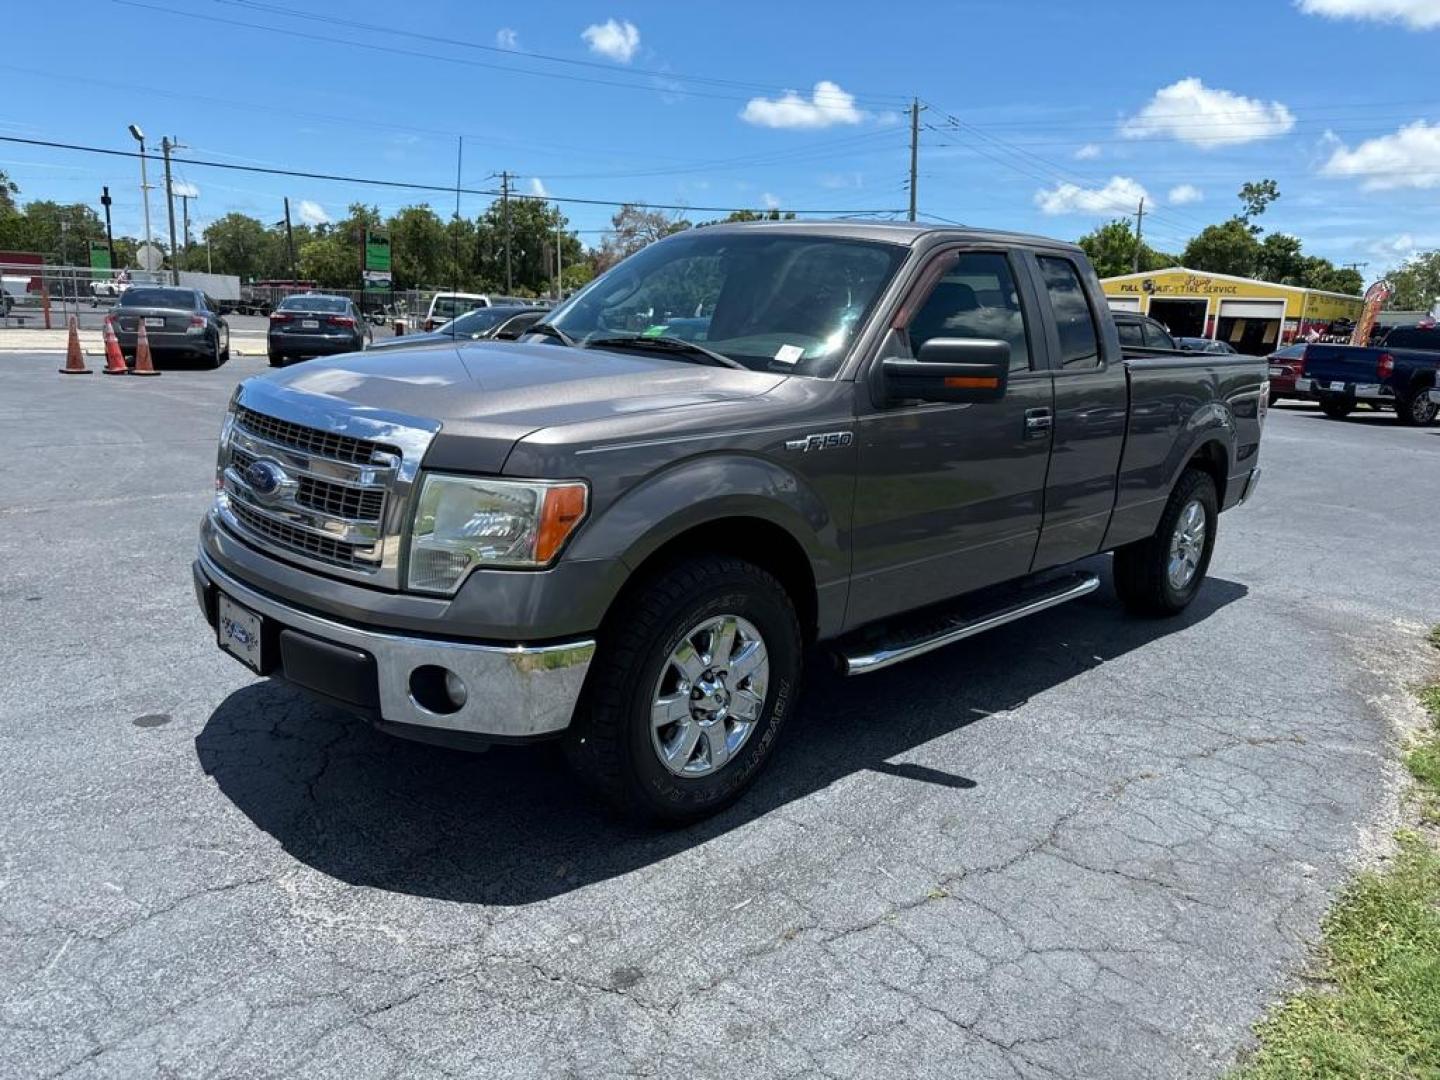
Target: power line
(389,31)
(412,185)
(429,57)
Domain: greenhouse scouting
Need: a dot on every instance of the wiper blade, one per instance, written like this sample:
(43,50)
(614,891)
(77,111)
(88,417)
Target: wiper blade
(552,331)
(665,343)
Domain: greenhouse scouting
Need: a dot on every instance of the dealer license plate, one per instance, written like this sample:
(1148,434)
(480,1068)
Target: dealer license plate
(238,631)
(1338,387)
(309,324)
(155,322)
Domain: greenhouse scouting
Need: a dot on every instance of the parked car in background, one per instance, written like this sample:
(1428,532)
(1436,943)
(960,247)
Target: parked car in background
(1285,367)
(631,542)
(1400,375)
(1142,332)
(498,323)
(180,324)
(447,305)
(1208,346)
(313,324)
(106,290)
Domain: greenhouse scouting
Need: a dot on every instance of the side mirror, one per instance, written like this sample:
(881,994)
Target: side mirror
(950,369)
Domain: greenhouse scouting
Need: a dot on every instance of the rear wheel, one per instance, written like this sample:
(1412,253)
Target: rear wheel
(1162,574)
(1337,406)
(1415,409)
(691,684)
(277,360)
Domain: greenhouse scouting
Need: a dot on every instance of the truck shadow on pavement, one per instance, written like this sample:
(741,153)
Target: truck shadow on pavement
(512,826)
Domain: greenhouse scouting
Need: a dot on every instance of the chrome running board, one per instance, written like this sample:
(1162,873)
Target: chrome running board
(946,628)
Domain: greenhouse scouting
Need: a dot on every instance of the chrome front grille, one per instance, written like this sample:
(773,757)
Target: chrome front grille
(327,496)
(303,479)
(323,444)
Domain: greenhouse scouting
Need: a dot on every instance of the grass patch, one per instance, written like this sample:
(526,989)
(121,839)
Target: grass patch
(1376,1011)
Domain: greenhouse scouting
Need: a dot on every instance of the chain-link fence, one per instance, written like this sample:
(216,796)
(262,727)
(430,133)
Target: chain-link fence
(40,296)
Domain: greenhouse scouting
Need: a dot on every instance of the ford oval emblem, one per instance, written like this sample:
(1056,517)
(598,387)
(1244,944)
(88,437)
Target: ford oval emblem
(264,477)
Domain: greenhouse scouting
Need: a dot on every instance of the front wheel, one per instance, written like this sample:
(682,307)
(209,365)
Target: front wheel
(1337,406)
(693,679)
(1162,574)
(1415,409)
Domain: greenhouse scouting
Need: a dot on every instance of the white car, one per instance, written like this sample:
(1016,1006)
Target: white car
(449,305)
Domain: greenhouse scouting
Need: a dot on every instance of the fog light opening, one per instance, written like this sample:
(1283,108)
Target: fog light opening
(438,690)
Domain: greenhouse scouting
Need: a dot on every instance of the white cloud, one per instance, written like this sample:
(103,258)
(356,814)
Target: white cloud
(826,106)
(1408,158)
(183,188)
(837,181)
(507,38)
(1185,194)
(537,187)
(769,201)
(312,213)
(620,41)
(1088,152)
(1416,14)
(1120,196)
(1194,113)
(1393,250)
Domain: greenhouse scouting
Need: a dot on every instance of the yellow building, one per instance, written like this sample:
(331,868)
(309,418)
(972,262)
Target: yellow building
(1254,316)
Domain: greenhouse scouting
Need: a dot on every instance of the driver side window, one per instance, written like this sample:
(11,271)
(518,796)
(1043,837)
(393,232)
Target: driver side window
(976,298)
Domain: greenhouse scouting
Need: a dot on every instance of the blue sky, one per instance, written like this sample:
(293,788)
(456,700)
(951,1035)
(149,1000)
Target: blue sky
(1046,116)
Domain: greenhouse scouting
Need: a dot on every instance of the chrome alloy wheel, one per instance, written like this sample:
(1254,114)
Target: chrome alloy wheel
(1187,546)
(709,696)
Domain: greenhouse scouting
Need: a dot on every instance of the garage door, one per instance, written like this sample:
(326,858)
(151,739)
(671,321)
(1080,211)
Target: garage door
(1252,309)
(1124,303)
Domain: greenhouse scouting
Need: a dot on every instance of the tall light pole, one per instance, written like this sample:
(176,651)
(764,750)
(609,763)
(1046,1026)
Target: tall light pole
(139,136)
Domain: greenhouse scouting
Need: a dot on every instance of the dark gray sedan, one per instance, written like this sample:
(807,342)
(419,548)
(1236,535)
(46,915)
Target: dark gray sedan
(499,323)
(315,325)
(179,324)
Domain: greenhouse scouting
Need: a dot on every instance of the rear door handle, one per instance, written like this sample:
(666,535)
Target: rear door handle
(1038,422)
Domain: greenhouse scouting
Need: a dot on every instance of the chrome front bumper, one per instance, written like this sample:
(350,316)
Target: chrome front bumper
(514,692)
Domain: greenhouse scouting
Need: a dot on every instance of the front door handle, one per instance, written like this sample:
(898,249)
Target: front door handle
(1038,422)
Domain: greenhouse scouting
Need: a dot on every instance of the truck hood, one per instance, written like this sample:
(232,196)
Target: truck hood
(491,394)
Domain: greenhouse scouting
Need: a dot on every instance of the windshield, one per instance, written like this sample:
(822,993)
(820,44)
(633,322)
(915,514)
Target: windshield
(475,322)
(771,301)
(314,303)
(171,298)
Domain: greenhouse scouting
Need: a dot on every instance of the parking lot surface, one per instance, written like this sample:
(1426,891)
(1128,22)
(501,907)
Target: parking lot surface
(1084,845)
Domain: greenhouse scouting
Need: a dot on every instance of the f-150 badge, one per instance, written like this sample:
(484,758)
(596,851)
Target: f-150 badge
(825,440)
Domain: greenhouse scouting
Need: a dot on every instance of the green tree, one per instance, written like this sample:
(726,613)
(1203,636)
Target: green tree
(1323,274)
(1111,248)
(58,230)
(1255,197)
(1281,260)
(1417,283)
(1227,248)
(534,225)
(240,245)
(632,228)
(8,190)
(417,244)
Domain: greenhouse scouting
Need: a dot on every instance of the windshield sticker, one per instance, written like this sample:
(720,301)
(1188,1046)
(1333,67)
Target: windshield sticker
(789,354)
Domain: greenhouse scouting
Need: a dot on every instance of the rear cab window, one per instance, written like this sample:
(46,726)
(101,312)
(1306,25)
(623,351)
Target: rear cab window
(1074,319)
(1157,338)
(1414,337)
(1129,333)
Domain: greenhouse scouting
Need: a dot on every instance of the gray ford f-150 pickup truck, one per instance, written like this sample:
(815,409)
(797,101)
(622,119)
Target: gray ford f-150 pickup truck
(743,446)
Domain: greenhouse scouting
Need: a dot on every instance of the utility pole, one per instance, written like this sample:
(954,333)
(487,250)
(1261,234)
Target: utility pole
(505,218)
(1139,219)
(166,145)
(290,243)
(185,219)
(209,257)
(559,265)
(914,151)
(105,201)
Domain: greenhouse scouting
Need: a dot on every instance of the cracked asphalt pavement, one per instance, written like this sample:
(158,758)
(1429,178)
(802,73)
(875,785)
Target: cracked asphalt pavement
(1080,846)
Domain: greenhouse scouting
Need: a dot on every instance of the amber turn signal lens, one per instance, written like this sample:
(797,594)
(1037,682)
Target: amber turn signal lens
(564,509)
(971,382)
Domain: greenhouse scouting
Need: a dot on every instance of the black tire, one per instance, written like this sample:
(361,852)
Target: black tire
(276,360)
(1142,580)
(1337,406)
(1415,409)
(1273,399)
(610,744)
(225,352)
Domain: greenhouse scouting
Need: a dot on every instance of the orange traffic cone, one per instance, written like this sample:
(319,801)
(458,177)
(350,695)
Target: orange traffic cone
(143,366)
(114,358)
(74,358)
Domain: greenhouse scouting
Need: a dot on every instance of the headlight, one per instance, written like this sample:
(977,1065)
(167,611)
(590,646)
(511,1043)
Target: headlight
(462,522)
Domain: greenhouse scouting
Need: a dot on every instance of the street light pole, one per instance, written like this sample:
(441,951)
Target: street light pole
(139,136)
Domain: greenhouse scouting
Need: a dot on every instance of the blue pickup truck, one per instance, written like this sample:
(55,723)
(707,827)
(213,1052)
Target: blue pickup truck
(1399,374)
